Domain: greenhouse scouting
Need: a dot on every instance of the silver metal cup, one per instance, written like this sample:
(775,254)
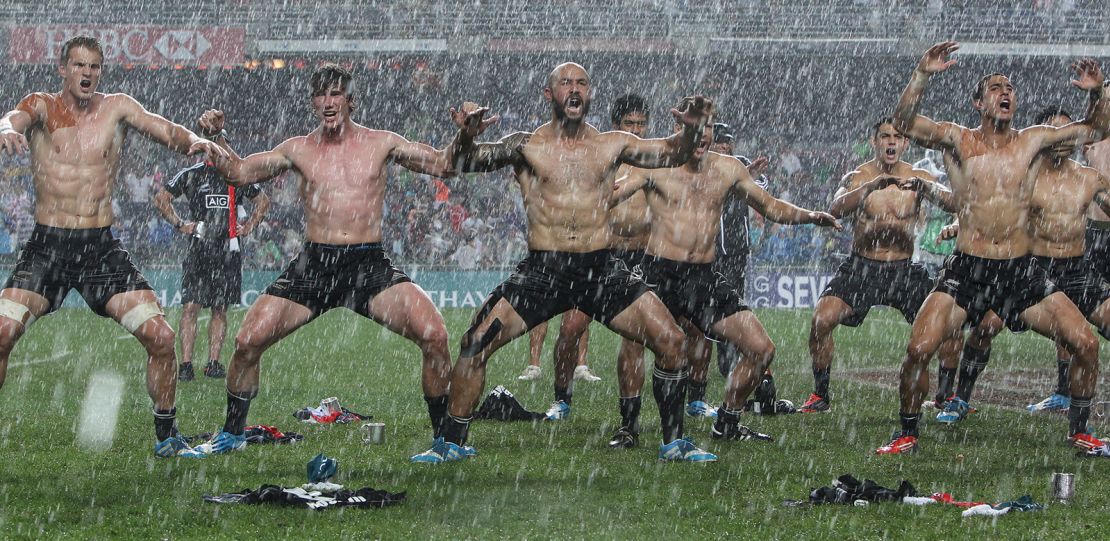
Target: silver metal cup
(1063,486)
(199,229)
(331,404)
(373,433)
(1101,409)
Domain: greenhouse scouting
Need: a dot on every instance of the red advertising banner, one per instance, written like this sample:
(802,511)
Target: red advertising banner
(138,44)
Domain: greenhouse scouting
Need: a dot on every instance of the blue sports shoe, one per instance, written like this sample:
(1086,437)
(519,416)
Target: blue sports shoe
(443,451)
(1055,402)
(224,442)
(954,411)
(699,408)
(176,446)
(684,450)
(468,451)
(559,410)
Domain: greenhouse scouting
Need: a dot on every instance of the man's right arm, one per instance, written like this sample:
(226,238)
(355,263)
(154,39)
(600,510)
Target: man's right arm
(693,113)
(847,199)
(482,157)
(238,171)
(15,123)
(921,129)
(258,167)
(1095,126)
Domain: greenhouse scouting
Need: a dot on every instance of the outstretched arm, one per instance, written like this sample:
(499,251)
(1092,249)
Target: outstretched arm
(241,171)
(15,123)
(1095,126)
(628,185)
(443,163)
(422,158)
(482,157)
(921,129)
(258,167)
(675,150)
(174,136)
(770,207)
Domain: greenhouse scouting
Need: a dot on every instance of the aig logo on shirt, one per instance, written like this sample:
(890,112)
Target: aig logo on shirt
(216,201)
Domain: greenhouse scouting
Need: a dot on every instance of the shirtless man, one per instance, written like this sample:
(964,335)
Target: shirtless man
(686,204)
(885,195)
(343,170)
(76,139)
(1062,197)
(566,169)
(629,113)
(630,223)
(991,169)
(733,249)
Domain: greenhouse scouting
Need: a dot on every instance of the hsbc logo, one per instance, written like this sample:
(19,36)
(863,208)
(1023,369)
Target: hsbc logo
(182,45)
(132,43)
(216,201)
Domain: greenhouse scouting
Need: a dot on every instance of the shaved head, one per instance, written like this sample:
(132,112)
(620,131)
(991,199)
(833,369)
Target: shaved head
(566,69)
(568,91)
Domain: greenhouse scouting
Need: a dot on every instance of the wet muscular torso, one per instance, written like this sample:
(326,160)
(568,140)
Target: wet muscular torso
(75,157)
(566,184)
(630,221)
(1058,208)
(342,184)
(686,206)
(992,181)
(885,221)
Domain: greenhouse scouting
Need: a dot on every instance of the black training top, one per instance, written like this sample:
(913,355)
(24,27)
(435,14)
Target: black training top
(733,240)
(208,199)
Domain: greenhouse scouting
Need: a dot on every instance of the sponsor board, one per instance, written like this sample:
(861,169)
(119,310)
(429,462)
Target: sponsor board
(767,287)
(781,288)
(138,44)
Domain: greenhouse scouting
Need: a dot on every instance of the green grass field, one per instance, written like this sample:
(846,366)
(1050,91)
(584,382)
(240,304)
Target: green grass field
(530,481)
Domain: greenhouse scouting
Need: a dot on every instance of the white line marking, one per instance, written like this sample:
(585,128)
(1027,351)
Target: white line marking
(55,357)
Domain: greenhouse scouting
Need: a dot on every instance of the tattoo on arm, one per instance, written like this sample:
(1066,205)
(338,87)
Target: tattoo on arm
(491,156)
(1102,199)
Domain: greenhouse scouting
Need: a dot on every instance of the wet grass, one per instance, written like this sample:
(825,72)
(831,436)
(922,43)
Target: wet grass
(530,481)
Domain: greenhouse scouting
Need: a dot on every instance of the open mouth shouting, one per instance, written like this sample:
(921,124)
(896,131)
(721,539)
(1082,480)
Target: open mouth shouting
(1006,105)
(574,104)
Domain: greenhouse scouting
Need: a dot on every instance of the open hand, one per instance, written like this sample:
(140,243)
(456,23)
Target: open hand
(13,142)
(825,219)
(936,59)
(1088,74)
(470,118)
(211,122)
(758,166)
(214,152)
(695,111)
